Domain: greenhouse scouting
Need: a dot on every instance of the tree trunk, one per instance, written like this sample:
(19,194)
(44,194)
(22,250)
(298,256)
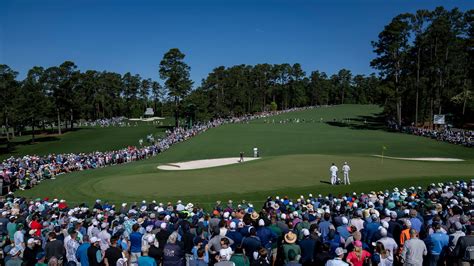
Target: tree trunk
(7,128)
(72,120)
(33,131)
(59,121)
(176,112)
(342,95)
(417,85)
(431,112)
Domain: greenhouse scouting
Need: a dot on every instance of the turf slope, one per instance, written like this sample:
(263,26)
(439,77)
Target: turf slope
(295,160)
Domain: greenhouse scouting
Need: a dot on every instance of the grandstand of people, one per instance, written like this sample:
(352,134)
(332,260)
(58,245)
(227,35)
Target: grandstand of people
(215,162)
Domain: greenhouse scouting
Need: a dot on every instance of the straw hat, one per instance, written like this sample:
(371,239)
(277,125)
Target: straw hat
(290,238)
(254,215)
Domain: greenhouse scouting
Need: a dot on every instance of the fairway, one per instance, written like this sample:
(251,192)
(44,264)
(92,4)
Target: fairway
(295,159)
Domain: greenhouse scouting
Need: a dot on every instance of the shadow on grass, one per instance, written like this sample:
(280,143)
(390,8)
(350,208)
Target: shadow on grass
(364,122)
(165,127)
(10,147)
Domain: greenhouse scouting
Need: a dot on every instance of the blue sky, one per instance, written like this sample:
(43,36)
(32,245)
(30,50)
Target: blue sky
(123,36)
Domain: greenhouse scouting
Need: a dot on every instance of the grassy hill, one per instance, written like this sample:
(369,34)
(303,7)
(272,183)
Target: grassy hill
(295,159)
(85,139)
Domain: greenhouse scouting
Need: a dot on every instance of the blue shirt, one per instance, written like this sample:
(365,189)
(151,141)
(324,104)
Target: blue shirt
(81,254)
(324,229)
(136,242)
(416,224)
(146,261)
(437,242)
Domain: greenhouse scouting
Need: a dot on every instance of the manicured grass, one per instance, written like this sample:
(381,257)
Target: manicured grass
(296,158)
(85,139)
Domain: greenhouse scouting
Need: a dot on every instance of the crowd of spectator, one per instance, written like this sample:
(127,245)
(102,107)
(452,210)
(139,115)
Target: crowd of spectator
(454,136)
(105,122)
(409,226)
(27,171)
(444,133)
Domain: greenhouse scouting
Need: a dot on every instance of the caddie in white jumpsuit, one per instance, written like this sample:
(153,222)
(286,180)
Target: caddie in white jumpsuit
(345,169)
(333,171)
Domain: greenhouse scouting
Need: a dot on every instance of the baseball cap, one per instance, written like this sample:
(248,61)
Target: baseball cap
(305,232)
(340,251)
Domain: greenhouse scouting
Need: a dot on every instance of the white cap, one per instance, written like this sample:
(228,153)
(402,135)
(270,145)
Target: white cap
(344,220)
(305,232)
(261,222)
(150,238)
(232,225)
(163,225)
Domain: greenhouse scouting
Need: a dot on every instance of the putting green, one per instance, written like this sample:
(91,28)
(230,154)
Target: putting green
(296,159)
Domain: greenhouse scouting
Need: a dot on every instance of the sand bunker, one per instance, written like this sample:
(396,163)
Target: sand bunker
(428,159)
(199,164)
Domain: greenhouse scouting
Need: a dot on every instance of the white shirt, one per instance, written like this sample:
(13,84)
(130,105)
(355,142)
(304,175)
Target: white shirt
(19,239)
(336,262)
(333,169)
(346,168)
(389,244)
(104,240)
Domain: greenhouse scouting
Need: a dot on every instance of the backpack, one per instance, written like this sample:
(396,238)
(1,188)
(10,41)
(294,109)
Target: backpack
(469,254)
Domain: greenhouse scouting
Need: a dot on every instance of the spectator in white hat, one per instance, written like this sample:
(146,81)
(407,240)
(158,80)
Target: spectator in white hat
(338,260)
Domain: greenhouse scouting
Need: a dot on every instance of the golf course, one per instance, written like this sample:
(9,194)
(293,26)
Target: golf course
(296,149)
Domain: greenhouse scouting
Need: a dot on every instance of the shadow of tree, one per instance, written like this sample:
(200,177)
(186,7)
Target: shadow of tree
(364,122)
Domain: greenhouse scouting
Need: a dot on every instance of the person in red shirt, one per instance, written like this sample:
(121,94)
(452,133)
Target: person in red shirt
(358,256)
(36,225)
(62,205)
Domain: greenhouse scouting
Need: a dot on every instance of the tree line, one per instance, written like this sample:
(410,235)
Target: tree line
(254,88)
(61,95)
(426,60)
(425,64)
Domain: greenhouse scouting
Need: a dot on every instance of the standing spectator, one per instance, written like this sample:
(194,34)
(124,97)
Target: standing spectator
(388,243)
(439,241)
(113,253)
(172,252)
(382,256)
(337,261)
(251,243)
(413,250)
(308,246)
(54,248)
(146,260)
(81,252)
(290,239)
(29,255)
(94,254)
(135,244)
(464,250)
(71,247)
(15,259)
(359,256)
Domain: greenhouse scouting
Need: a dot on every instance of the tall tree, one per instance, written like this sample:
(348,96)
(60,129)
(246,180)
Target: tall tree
(175,72)
(391,49)
(8,92)
(157,94)
(32,102)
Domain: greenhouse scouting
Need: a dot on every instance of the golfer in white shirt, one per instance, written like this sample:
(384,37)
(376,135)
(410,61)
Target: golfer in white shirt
(345,169)
(333,171)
